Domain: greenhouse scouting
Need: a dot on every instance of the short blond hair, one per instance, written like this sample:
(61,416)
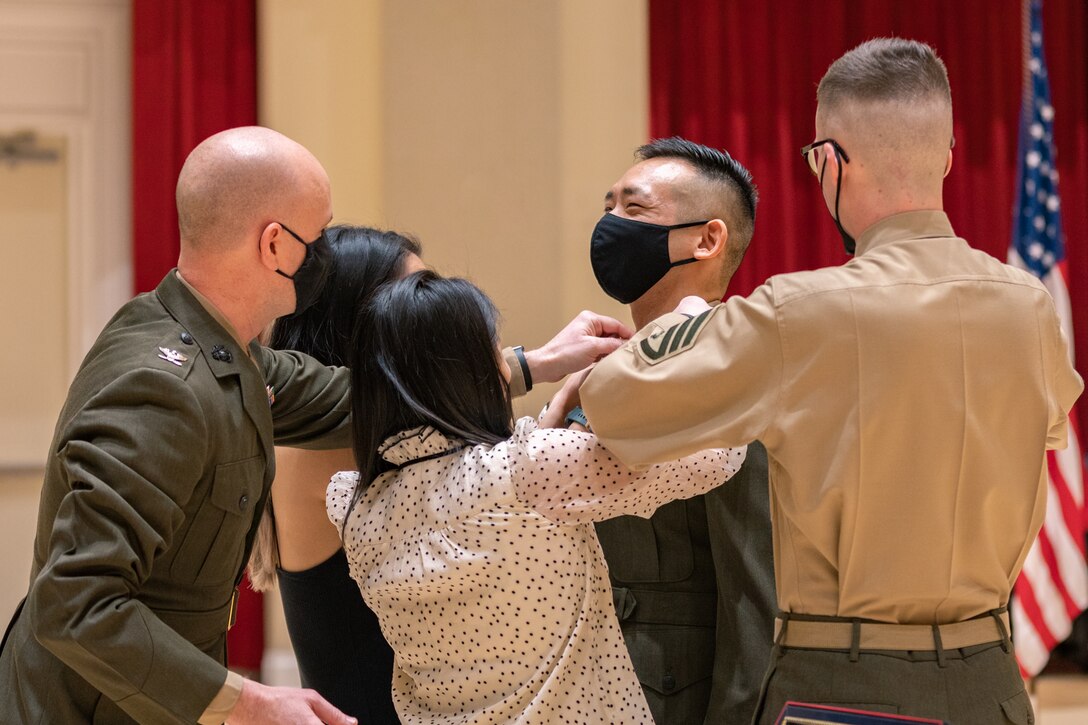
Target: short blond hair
(885,69)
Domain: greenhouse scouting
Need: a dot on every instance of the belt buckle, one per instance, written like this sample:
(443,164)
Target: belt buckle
(233,617)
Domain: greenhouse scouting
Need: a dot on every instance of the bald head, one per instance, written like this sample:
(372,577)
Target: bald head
(888,103)
(237,181)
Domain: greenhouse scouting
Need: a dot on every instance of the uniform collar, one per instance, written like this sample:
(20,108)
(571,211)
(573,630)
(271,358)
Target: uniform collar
(214,311)
(417,444)
(205,325)
(904,226)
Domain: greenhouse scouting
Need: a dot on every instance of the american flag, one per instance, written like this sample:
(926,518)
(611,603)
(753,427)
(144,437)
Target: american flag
(1053,586)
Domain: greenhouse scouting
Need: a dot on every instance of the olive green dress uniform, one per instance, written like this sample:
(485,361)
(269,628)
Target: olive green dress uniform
(739,519)
(905,399)
(693,587)
(159,469)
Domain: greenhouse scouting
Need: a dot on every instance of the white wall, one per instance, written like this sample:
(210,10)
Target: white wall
(489,128)
(64,75)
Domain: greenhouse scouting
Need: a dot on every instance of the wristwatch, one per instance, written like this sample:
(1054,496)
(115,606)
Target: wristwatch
(577,415)
(519,353)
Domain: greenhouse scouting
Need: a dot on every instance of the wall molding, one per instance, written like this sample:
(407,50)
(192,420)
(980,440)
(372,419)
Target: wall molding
(71,78)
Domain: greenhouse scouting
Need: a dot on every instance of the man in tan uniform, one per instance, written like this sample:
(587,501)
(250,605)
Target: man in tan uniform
(906,400)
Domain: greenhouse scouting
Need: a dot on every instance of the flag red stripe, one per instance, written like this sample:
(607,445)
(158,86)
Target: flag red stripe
(1072,516)
(1046,548)
(1025,598)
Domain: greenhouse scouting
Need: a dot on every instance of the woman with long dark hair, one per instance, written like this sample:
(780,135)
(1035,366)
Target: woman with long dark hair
(336,638)
(470,535)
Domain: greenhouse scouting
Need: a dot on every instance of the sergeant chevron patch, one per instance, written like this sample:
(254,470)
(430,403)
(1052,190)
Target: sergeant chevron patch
(673,341)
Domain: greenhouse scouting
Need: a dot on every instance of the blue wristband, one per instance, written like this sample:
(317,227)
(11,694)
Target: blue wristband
(577,415)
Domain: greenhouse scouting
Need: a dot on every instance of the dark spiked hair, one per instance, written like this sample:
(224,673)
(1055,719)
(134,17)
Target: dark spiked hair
(736,192)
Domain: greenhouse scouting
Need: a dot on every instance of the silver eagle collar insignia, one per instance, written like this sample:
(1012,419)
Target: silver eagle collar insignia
(172,356)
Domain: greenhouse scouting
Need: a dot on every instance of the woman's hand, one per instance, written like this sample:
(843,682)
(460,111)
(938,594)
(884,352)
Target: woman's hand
(554,416)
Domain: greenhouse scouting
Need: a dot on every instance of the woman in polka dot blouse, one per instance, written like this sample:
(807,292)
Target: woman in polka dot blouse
(471,535)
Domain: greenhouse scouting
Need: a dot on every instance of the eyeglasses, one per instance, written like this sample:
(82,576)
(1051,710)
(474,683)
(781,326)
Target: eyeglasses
(812,153)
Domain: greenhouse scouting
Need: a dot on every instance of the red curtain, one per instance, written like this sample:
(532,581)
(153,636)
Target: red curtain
(194,73)
(742,76)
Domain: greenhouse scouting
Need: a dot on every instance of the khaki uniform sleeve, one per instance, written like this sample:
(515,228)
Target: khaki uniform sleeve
(683,385)
(221,705)
(1064,384)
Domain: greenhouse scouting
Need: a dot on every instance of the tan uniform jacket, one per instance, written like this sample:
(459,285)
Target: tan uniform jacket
(159,470)
(905,399)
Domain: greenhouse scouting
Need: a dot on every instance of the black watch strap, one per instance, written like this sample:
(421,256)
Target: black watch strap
(519,353)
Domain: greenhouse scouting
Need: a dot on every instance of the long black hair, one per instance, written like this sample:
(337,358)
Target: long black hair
(425,355)
(363,259)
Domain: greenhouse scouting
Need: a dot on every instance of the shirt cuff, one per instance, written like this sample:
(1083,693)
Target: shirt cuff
(517,379)
(224,701)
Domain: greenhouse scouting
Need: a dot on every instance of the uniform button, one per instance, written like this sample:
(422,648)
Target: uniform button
(243,502)
(668,683)
(187,338)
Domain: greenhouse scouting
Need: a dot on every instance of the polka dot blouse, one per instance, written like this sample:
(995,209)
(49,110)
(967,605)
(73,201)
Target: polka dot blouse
(483,567)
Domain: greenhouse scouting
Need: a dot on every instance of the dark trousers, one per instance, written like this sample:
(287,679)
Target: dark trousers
(977,685)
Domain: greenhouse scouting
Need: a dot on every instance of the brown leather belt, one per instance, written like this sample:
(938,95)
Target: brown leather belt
(853,635)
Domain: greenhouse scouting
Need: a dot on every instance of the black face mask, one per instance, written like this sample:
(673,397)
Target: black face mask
(310,276)
(629,257)
(848,242)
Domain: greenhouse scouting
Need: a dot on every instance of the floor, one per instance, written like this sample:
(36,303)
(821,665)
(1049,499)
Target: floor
(1061,700)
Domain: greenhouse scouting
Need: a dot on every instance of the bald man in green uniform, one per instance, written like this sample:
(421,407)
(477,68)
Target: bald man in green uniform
(693,584)
(163,455)
(162,458)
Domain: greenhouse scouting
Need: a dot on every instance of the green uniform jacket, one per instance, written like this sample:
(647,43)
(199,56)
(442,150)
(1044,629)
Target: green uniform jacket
(694,592)
(155,481)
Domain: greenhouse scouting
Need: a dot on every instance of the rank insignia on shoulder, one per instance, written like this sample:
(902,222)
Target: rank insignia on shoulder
(673,341)
(172,356)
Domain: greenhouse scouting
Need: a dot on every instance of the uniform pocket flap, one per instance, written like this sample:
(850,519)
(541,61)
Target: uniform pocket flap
(237,484)
(669,659)
(1018,709)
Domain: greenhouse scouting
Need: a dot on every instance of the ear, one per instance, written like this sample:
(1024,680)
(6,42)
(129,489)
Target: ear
(948,163)
(831,164)
(266,246)
(713,241)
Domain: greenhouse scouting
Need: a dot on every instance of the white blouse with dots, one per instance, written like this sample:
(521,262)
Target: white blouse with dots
(483,567)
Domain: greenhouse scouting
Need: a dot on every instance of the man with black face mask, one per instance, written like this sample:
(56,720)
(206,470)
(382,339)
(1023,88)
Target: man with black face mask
(694,584)
(162,457)
(906,400)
